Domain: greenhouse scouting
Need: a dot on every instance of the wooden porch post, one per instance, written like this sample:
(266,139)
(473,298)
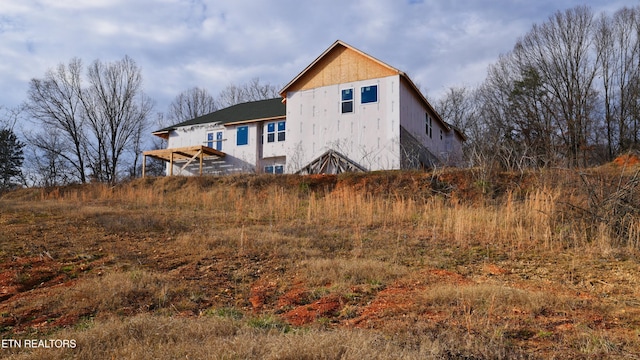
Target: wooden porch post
(201,159)
(171,164)
(144,164)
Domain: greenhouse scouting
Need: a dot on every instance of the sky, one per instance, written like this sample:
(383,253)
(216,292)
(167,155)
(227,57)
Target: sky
(180,44)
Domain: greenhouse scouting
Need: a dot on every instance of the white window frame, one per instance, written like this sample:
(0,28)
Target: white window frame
(274,169)
(276,131)
(352,101)
(369,102)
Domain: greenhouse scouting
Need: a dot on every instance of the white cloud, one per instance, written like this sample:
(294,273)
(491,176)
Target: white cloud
(185,43)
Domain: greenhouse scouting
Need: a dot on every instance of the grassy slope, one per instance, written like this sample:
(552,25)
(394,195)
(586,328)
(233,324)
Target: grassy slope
(455,264)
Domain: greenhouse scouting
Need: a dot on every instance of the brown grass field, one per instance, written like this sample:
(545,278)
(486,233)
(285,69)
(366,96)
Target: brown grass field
(451,264)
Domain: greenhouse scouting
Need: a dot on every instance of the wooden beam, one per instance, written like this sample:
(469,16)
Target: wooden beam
(144,164)
(191,160)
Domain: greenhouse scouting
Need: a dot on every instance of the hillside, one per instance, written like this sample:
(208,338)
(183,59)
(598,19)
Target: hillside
(393,265)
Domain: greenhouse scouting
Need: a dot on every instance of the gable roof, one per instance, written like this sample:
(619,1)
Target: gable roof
(361,64)
(239,113)
(340,63)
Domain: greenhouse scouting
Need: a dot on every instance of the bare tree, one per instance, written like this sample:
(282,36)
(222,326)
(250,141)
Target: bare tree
(540,99)
(457,107)
(252,91)
(191,104)
(55,103)
(561,52)
(618,46)
(90,127)
(47,165)
(116,109)
(10,117)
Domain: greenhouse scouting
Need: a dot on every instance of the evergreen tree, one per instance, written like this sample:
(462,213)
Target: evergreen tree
(11,158)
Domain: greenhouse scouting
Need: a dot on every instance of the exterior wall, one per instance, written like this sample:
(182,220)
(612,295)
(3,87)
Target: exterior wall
(271,154)
(239,158)
(369,135)
(441,142)
(275,148)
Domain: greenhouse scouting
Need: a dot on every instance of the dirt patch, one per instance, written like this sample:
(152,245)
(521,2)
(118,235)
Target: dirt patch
(327,307)
(294,297)
(440,276)
(629,159)
(261,294)
(494,270)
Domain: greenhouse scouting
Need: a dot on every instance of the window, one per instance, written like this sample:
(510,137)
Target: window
(242,135)
(347,101)
(276,130)
(271,132)
(274,169)
(281,130)
(428,126)
(369,94)
(219,140)
(214,140)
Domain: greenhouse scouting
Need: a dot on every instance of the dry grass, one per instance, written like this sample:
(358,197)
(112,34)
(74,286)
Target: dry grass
(387,265)
(145,337)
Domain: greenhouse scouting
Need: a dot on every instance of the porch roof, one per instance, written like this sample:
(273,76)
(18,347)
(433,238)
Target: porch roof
(189,153)
(183,153)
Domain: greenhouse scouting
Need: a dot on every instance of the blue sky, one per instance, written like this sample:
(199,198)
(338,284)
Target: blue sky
(180,44)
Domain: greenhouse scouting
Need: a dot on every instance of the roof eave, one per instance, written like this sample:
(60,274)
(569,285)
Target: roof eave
(240,122)
(164,133)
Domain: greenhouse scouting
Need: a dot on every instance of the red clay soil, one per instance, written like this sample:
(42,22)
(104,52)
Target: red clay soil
(260,293)
(629,159)
(29,278)
(400,298)
(297,296)
(24,274)
(326,307)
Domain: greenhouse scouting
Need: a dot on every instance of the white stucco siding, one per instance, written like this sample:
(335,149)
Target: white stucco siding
(369,135)
(277,147)
(413,113)
(239,158)
(193,135)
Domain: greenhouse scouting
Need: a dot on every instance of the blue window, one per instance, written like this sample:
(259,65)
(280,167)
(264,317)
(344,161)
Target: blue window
(242,135)
(274,169)
(219,141)
(347,101)
(281,130)
(271,131)
(369,94)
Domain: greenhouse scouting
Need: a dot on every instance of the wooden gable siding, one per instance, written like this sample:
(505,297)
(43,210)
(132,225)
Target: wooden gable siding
(341,65)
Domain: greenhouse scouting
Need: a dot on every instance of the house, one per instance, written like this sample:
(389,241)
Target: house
(346,111)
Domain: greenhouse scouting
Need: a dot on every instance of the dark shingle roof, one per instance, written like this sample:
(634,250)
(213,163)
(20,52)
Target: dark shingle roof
(254,110)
